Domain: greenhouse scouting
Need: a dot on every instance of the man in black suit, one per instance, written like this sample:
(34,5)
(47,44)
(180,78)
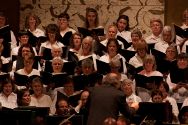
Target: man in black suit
(107,101)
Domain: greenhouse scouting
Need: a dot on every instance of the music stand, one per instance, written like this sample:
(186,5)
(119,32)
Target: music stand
(159,112)
(16,117)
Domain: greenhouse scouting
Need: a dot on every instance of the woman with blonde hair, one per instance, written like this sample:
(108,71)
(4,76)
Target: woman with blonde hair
(150,66)
(87,50)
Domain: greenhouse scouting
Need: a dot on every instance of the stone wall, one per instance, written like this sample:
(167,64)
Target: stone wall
(139,11)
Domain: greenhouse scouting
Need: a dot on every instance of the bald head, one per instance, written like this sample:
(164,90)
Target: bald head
(111,79)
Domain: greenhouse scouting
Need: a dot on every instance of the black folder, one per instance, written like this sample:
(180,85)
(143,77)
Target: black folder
(59,79)
(48,66)
(181,32)
(150,47)
(47,53)
(66,38)
(100,49)
(37,62)
(82,82)
(158,54)
(23,80)
(131,70)
(127,54)
(179,75)
(165,66)
(102,67)
(147,82)
(19,62)
(72,99)
(124,41)
(4,76)
(69,67)
(6,50)
(79,63)
(7,67)
(94,32)
(34,41)
(14,57)
(72,57)
(5,34)
(65,52)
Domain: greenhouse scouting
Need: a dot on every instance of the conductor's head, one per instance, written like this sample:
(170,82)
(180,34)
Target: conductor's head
(112,79)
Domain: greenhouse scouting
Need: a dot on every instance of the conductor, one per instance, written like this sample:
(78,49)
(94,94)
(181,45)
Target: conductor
(107,101)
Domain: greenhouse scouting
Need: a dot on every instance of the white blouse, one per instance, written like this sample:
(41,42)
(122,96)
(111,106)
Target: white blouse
(153,39)
(44,101)
(136,61)
(38,32)
(10,101)
(126,35)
